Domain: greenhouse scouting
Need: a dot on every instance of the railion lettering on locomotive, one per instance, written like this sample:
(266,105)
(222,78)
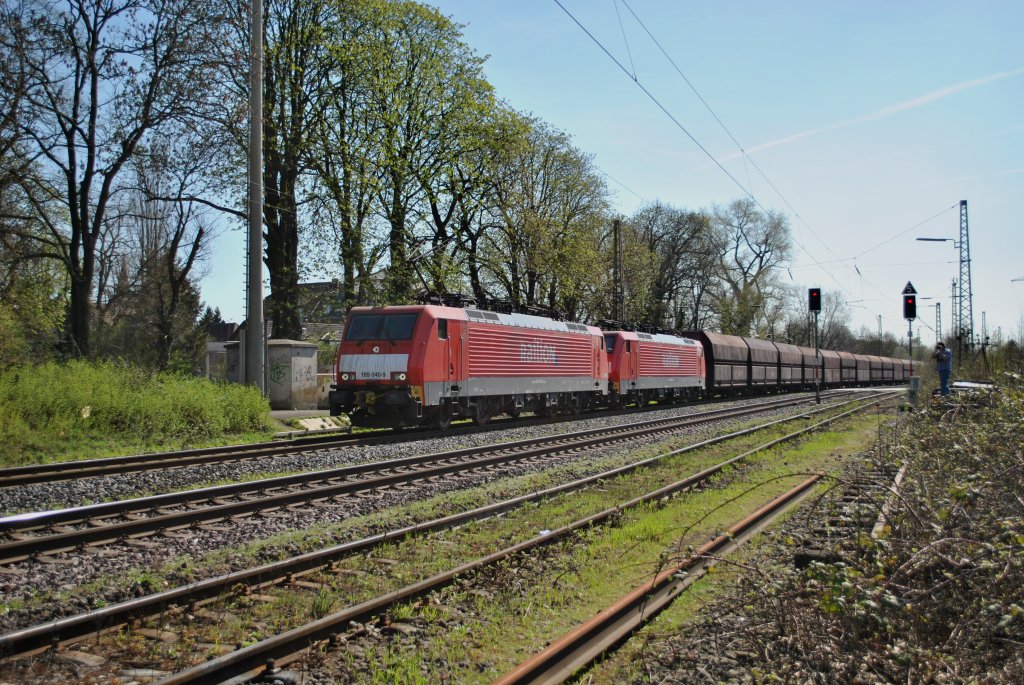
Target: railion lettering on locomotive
(538,353)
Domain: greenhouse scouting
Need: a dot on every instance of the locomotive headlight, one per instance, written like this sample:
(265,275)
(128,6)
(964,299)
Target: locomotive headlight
(345,376)
(398,376)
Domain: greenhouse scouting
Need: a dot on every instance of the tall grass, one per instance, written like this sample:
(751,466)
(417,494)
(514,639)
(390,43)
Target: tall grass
(48,404)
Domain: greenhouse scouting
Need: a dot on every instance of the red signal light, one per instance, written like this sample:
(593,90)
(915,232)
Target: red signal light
(814,299)
(909,306)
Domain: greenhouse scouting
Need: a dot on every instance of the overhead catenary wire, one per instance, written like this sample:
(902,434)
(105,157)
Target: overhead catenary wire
(743,153)
(902,233)
(689,135)
(625,40)
(624,186)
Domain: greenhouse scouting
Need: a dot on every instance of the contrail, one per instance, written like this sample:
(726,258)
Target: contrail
(882,113)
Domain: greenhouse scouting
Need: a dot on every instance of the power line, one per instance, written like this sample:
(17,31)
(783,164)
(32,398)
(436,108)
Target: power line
(658,103)
(902,233)
(693,139)
(624,39)
(617,181)
(743,153)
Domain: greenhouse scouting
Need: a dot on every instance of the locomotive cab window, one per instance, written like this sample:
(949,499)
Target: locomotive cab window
(442,329)
(609,342)
(381,327)
(363,327)
(628,346)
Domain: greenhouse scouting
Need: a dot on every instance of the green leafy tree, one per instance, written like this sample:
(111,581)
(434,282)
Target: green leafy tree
(297,70)
(678,264)
(550,205)
(343,155)
(426,91)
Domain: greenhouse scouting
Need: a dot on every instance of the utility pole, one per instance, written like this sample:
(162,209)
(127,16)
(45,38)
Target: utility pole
(879,335)
(254,357)
(618,287)
(955,326)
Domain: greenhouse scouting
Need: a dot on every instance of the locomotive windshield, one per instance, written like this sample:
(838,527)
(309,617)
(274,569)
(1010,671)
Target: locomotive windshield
(609,342)
(381,327)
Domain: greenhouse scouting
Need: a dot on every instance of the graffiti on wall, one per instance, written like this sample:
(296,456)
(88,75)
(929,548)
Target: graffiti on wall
(279,371)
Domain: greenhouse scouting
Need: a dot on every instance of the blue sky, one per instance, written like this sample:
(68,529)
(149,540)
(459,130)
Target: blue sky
(868,117)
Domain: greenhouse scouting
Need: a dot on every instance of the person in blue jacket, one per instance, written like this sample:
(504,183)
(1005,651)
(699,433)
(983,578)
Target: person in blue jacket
(943,365)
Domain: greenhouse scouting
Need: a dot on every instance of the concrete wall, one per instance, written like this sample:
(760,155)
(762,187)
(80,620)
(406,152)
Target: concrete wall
(291,374)
(216,361)
(323,386)
(234,368)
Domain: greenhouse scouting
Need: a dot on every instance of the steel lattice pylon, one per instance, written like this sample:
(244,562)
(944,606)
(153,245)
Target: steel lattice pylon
(963,306)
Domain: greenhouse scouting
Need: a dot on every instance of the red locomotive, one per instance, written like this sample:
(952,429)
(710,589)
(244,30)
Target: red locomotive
(403,366)
(651,366)
(427,364)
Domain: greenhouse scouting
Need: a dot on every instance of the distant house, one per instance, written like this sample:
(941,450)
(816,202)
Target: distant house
(219,336)
(321,310)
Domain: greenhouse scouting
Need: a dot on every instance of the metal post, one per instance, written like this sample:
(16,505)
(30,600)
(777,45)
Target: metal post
(955,325)
(966,296)
(938,322)
(618,277)
(254,357)
(910,344)
(817,384)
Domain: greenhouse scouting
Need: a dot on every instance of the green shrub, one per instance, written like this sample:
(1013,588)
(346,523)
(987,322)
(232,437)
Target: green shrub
(116,402)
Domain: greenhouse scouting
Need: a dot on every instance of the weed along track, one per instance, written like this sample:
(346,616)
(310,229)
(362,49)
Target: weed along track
(383,601)
(51,472)
(31,535)
(560,660)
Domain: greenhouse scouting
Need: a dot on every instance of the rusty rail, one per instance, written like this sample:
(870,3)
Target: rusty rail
(264,657)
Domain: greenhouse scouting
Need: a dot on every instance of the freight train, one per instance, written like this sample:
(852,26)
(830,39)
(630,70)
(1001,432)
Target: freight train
(429,364)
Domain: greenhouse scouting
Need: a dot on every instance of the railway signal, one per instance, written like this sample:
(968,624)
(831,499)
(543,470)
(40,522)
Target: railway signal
(814,299)
(910,313)
(814,307)
(910,307)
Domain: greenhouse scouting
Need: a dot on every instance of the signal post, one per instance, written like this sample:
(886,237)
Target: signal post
(910,313)
(814,306)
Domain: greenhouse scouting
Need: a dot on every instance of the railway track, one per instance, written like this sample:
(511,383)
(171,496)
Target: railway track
(862,507)
(582,646)
(266,658)
(91,468)
(216,670)
(29,536)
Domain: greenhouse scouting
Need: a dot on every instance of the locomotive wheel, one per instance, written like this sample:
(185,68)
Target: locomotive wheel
(575,404)
(440,416)
(481,413)
(547,411)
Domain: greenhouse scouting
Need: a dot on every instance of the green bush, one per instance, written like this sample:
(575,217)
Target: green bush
(117,402)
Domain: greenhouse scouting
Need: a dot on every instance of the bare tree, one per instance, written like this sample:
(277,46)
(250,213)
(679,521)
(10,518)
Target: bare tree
(755,244)
(797,324)
(100,76)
